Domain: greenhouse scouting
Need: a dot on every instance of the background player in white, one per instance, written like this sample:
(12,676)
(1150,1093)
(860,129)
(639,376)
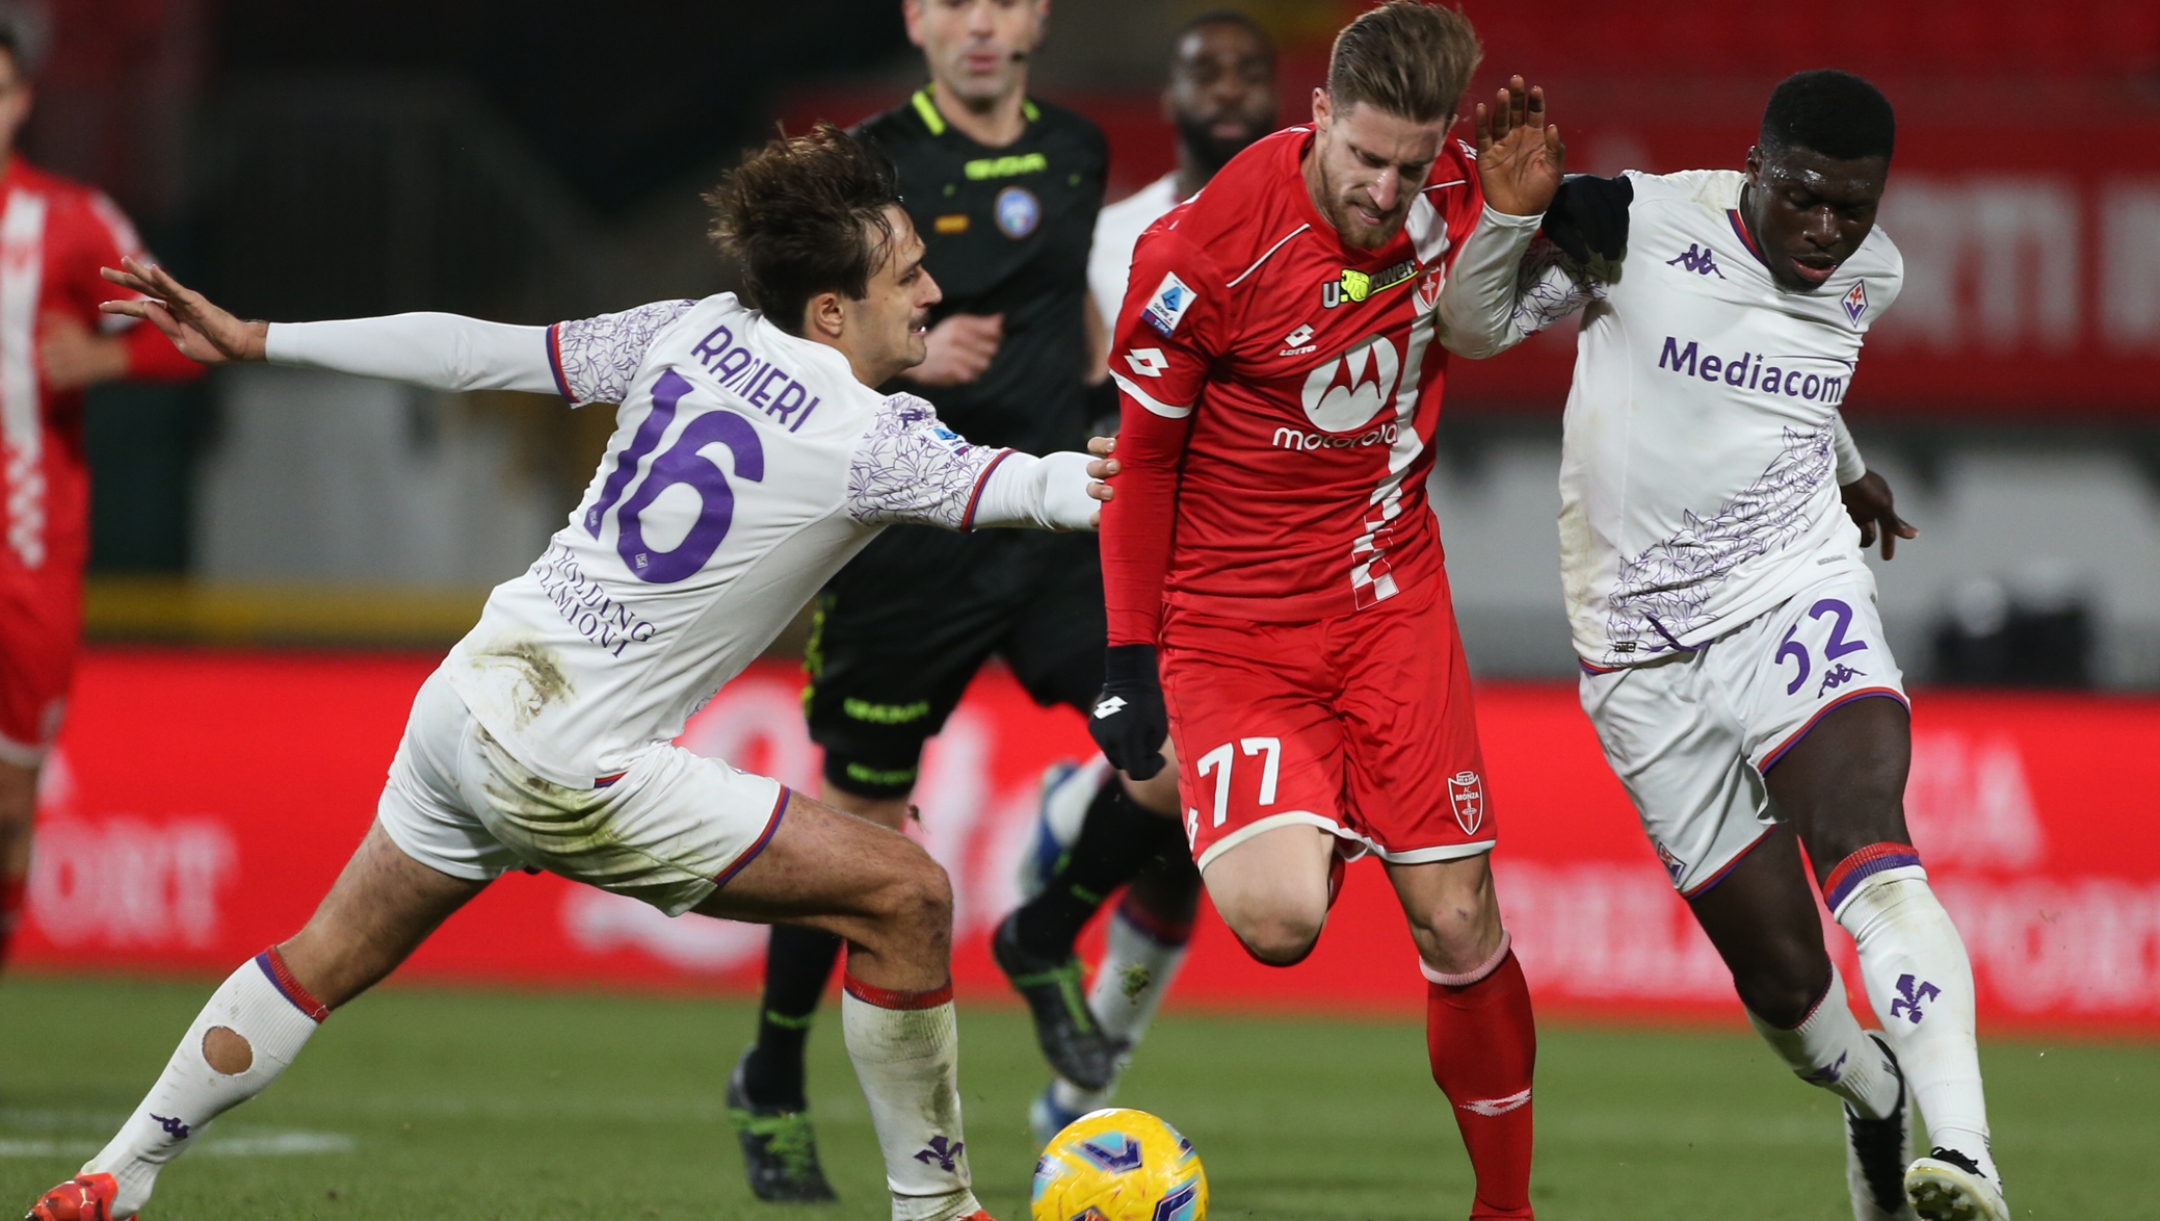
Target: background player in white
(751,458)
(1733,660)
(1220,98)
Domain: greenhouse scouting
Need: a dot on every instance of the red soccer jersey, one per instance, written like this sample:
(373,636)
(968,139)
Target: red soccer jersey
(1280,394)
(54,235)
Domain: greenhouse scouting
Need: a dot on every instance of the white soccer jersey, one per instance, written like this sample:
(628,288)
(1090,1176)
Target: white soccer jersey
(1117,230)
(747,466)
(1703,446)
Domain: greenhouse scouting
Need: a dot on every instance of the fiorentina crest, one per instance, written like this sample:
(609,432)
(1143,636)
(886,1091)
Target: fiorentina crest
(1467,794)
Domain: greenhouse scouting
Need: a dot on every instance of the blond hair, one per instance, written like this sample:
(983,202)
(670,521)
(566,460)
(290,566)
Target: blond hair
(1410,59)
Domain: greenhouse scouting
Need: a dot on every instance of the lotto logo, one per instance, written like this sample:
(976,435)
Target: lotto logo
(1147,362)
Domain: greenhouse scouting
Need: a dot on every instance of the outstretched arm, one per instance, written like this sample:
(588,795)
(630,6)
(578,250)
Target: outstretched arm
(909,468)
(1520,167)
(443,351)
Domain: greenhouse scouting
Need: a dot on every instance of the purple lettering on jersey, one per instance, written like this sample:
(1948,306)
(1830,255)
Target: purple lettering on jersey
(759,394)
(791,397)
(707,348)
(807,409)
(585,605)
(729,365)
(667,392)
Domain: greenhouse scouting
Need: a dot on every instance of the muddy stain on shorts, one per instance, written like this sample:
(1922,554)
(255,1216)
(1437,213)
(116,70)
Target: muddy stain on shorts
(540,679)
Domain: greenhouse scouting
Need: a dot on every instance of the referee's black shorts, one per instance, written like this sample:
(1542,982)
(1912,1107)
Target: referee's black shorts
(903,628)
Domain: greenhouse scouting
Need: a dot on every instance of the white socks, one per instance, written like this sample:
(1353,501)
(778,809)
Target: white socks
(272,1017)
(1829,1049)
(1136,972)
(906,1049)
(1921,985)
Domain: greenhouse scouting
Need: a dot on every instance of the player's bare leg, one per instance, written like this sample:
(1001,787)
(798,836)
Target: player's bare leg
(767,1093)
(18,816)
(1480,1033)
(1843,788)
(379,910)
(1763,919)
(878,890)
(1272,890)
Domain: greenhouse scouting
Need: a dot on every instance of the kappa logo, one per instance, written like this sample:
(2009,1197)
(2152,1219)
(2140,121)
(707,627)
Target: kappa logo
(1855,301)
(1912,993)
(172,1125)
(946,1153)
(1837,676)
(1699,259)
(1347,392)
(1466,792)
(1147,362)
(1489,1107)
(1831,1073)
(1298,342)
(1167,307)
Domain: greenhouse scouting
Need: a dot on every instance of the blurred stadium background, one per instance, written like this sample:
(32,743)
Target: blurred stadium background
(281,555)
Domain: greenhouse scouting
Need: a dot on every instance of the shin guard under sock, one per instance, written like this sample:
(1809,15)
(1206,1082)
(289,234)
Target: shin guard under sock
(906,1049)
(265,1007)
(1829,1049)
(798,961)
(1920,982)
(1116,839)
(1483,1042)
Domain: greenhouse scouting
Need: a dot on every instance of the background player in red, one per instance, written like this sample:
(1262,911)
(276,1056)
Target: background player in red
(54,235)
(1271,540)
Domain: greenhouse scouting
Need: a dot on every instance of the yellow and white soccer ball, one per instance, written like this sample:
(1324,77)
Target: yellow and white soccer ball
(1119,1165)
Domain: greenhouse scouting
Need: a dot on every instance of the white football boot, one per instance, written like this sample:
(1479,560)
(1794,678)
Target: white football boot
(1947,1185)
(1876,1151)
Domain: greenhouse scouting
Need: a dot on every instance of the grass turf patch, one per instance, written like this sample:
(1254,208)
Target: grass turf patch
(490,1106)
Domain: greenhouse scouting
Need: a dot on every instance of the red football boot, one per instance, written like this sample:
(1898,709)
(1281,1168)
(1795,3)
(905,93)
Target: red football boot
(86,1197)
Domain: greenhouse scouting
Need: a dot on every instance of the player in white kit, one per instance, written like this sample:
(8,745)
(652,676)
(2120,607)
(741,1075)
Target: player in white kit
(1733,661)
(751,459)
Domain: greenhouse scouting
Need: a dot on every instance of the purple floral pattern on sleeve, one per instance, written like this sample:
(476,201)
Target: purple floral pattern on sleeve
(595,358)
(910,468)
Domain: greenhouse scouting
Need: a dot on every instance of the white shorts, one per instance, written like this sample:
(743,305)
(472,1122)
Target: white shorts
(672,830)
(1691,734)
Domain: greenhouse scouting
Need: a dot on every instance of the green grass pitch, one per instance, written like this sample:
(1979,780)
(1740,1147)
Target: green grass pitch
(480,1106)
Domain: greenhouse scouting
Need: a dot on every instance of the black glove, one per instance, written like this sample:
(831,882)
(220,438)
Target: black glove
(1589,216)
(1129,722)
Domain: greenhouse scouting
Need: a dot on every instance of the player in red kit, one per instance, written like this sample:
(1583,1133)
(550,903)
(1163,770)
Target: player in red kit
(54,235)
(1273,571)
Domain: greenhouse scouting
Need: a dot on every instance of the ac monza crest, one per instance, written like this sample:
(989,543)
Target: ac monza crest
(1466,792)
(1428,291)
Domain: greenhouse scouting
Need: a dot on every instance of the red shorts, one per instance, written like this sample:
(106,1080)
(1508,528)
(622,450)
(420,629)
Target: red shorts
(1360,725)
(40,633)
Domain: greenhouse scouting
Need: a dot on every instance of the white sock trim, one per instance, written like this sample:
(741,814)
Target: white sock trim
(1473,975)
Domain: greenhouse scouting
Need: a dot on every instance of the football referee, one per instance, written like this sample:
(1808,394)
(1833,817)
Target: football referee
(1005,191)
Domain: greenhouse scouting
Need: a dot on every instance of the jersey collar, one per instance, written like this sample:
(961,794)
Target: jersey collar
(926,109)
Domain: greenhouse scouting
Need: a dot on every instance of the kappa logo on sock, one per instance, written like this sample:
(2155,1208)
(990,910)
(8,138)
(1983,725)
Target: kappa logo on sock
(946,1153)
(1490,1107)
(1910,994)
(1831,1073)
(173,1127)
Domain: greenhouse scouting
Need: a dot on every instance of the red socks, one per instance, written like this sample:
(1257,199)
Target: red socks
(11,901)
(1484,1047)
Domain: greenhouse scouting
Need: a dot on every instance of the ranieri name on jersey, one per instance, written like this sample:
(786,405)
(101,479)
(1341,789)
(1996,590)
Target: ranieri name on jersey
(1752,371)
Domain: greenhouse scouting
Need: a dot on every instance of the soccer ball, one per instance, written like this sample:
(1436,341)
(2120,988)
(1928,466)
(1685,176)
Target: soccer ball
(1119,1165)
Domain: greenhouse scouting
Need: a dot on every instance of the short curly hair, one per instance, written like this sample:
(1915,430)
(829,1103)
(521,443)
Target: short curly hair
(805,215)
(1830,112)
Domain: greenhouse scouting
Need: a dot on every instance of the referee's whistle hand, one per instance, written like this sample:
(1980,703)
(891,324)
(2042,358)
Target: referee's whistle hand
(959,350)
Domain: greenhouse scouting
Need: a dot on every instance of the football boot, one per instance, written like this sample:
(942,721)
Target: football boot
(1876,1151)
(1947,1185)
(1056,995)
(86,1197)
(779,1148)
